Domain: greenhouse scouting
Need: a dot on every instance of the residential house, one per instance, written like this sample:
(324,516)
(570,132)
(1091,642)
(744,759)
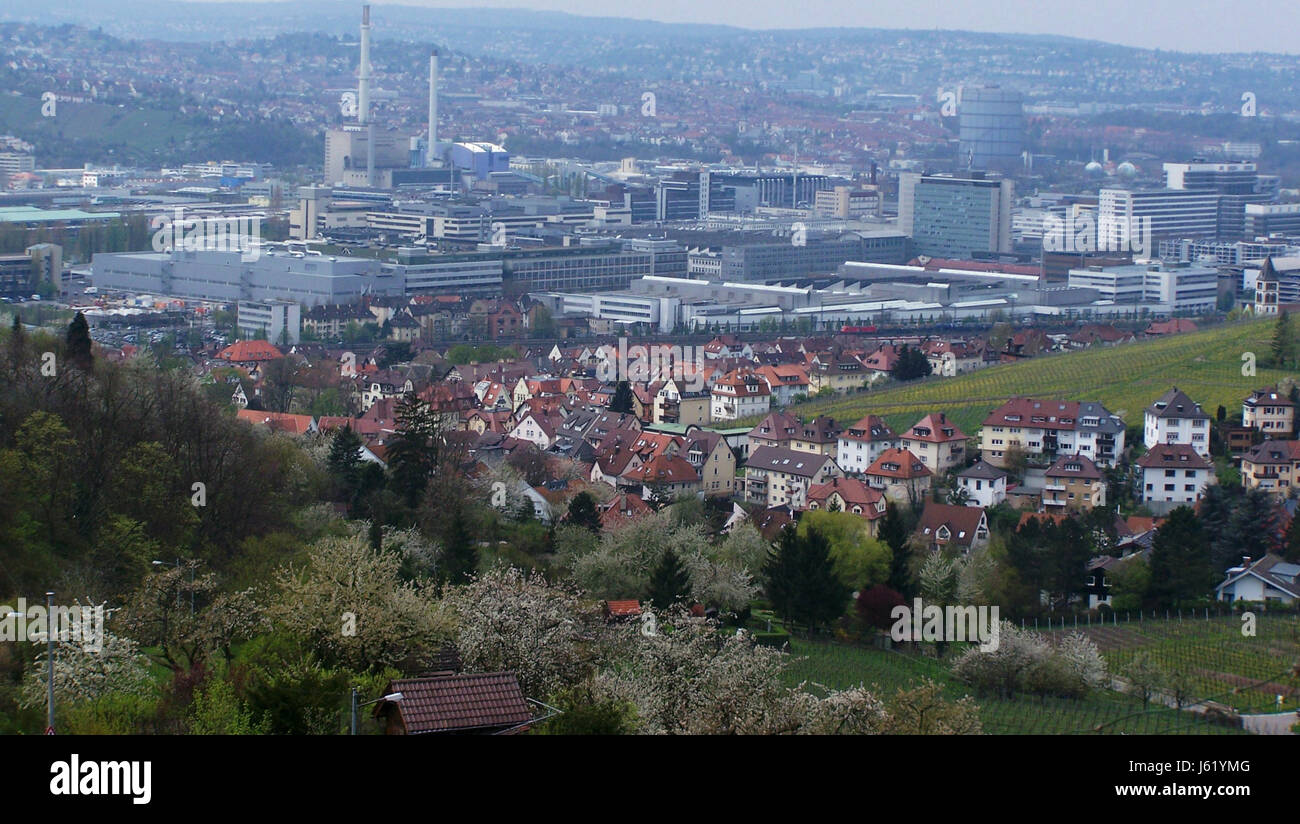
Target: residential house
(713,458)
(861,443)
(538,428)
(950,358)
(1073,483)
(839,372)
(776,476)
(784,429)
(849,495)
(1270,579)
(1044,429)
(786,381)
(1173,475)
(984,484)
(944,526)
(664,477)
(1270,412)
(738,395)
(1177,419)
(1273,466)
(937,442)
(674,403)
(900,475)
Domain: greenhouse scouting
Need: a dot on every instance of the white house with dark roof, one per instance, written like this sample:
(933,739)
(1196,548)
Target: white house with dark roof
(862,442)
(1173,475)
(1045,429)
(985,485)
(1177,419)
(1269,579)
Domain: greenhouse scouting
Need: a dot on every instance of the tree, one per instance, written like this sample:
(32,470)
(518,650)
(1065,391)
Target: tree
(801,579)
(349,605)
(669,581)
(1145,677)
(894,532)
(1291,552)
(876,606)
(280,384)
(1181,570)
(79,348)
(344,459)
(460,548)
(1283,344)
(413,449)
(583,512)
(859,559)
(510,620)
(622,401)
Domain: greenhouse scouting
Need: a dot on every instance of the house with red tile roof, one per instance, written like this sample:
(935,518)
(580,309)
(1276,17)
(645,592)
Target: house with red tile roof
(279,421)
(937,441)
(623,507)
(900,475)
(849,495)
(862,442)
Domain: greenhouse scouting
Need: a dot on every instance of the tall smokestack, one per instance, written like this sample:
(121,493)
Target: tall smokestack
(363,96)
(433,108)
(363,83)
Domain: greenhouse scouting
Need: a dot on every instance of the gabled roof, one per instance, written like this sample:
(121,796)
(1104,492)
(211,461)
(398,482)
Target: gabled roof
(458,703)
(1074,466)
(249,351)
(854,492)
(1272,570)
(789,461)
(899,464)
(868,429)
(961,522)
(1273,452)
(982,470)
(934,428)
(1267,397)
(1171,455)
(1176,404)
(279,421)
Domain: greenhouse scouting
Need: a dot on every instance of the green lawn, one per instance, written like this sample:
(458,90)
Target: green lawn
(1125,379)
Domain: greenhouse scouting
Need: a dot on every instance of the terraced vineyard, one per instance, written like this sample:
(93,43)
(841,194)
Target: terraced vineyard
(1125,378)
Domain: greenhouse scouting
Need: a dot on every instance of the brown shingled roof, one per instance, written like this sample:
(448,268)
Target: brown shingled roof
(458,703)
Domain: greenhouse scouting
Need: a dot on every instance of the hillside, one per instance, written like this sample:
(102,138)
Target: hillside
(1207,365)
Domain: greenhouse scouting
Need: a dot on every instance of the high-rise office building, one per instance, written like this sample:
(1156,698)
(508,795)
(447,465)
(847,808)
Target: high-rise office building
(1238,184)
(1123,215)
(991,127)
(955,217)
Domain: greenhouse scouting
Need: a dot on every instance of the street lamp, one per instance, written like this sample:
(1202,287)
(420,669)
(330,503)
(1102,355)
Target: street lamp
(49,655)
(392,696)
(178,565)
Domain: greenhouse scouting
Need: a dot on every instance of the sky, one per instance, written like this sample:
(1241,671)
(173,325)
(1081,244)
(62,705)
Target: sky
(1175,25)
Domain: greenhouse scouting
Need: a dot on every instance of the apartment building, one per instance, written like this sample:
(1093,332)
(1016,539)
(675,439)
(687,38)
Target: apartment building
(937,441)
(775,476)
(1177,419)
(1269,412)
(1044,429)
(1073,483)
(1174,474)
(1273,466)
(863,442)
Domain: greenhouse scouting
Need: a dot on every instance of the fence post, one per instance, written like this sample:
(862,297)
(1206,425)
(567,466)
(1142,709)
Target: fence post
(1035,623)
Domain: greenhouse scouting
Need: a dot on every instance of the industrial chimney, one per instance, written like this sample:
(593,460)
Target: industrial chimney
(432,153)
(363,96)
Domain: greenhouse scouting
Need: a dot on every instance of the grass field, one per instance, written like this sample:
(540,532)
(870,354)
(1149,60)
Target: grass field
(1207,365)
(1247,673)
(839,666)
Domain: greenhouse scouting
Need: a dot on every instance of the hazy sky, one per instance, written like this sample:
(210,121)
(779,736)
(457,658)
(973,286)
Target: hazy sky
(1180,25)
